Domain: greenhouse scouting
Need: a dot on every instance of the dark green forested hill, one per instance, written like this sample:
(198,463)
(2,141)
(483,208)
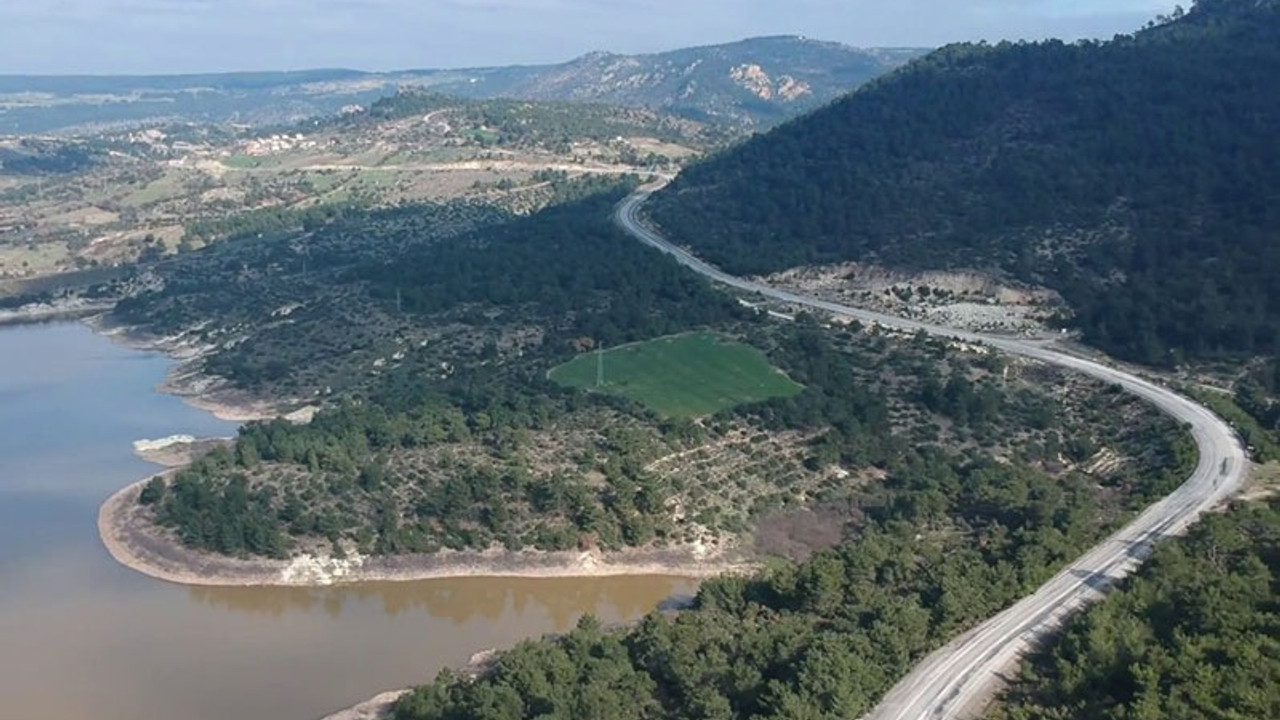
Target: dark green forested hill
(1193,636)
(1139,177)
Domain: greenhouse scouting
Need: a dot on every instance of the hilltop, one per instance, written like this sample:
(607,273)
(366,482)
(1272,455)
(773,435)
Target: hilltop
(756,81)
(760,80)
(1136,177)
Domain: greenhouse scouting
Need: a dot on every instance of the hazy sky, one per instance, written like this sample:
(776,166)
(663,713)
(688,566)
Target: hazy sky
(159,36)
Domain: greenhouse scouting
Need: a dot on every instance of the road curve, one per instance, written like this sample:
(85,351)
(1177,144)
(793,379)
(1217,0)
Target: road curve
(958,679)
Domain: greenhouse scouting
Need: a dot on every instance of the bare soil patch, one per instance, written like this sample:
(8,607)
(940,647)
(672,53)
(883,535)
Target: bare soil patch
(177,452)
(797,534)
(1264,483)
(967,299)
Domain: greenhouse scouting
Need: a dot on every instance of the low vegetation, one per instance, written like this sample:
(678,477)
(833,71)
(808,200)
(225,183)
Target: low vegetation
(543,124)
(36,157)
(684,376)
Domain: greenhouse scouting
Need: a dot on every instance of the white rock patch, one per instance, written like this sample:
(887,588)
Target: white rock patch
(319,570)
(143,446)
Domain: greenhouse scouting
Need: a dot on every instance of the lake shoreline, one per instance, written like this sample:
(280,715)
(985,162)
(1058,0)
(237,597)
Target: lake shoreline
(188,381)
(378,707)
(101,399)
(134,541)
(42,313)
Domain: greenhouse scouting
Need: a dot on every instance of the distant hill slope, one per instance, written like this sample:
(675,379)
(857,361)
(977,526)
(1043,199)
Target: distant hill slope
(761,80)
(755,81)
(1138,177)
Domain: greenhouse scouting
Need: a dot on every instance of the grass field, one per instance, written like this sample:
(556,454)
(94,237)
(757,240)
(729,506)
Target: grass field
(242,162)
(681,376)
(166,188)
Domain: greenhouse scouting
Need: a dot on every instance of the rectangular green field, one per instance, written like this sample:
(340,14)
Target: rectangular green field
(681,376)
(242,162)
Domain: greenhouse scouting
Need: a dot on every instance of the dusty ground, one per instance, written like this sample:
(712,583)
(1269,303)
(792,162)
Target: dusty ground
(59,310)
(797,534)
(215,396)
(966,299)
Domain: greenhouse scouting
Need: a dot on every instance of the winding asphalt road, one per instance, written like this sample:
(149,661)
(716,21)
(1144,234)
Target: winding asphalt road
(958,680)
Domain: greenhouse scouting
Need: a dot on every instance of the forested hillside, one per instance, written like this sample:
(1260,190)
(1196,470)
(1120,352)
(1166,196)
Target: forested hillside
(431,334)
(1138,177)
(294,312)
(1194,635)
(943,543)
(509,123)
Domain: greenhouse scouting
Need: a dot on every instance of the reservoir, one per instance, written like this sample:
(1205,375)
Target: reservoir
(83,638)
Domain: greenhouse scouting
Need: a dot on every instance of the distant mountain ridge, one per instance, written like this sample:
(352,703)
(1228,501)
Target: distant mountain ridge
(760,80)
(755,81)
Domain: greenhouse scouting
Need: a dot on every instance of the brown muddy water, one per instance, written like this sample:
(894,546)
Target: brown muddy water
(83,638)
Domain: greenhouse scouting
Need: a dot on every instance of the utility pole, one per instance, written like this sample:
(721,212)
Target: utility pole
(399,304)
(599,367)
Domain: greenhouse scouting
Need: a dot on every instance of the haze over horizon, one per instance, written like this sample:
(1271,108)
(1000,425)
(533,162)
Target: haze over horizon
(187,36)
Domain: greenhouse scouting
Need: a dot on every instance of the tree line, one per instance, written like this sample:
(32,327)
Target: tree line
(1194,634)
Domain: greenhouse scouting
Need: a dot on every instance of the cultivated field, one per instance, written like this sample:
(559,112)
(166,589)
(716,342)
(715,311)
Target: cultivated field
(146,192)
(681,376)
